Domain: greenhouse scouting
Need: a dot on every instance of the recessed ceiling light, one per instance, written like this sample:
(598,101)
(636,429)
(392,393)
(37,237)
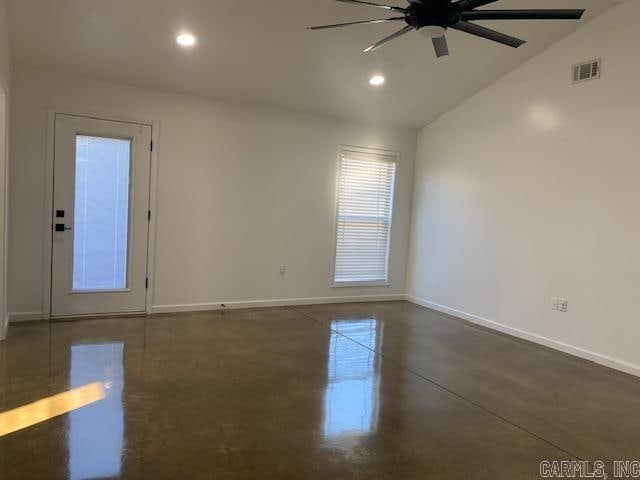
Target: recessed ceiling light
(186,40)
(376,80)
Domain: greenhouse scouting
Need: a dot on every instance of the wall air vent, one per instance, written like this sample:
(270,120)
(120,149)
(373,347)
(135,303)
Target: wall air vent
(582,72)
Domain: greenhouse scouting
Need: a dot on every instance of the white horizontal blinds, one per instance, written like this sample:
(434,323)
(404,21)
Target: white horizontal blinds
(365,204)
(101,213)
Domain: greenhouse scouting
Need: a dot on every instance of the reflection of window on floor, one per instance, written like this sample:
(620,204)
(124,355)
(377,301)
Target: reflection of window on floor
(96,431)
(351,398)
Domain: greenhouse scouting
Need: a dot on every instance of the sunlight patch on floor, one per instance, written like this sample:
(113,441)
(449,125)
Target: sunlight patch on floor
(47,408)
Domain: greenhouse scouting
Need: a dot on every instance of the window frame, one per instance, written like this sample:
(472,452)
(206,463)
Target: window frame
(370,151)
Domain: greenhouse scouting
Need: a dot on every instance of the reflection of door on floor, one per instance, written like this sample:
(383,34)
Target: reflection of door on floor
(96,432)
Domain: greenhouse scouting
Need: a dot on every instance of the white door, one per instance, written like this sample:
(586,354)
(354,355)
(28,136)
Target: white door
(100,217)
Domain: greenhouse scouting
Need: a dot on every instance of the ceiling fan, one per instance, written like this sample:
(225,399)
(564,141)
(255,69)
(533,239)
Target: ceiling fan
(433,17)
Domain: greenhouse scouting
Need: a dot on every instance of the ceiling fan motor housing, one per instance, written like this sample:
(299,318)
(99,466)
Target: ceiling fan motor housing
(438,14)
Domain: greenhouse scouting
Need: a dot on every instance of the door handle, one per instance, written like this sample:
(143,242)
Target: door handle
(61,227)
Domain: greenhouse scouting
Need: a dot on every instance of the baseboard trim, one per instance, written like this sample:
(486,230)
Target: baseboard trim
(281,302)
(17,317)
(598,358)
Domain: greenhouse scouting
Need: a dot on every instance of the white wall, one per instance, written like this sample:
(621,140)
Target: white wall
(5,79)
(5,50)
(531,189)
(241,190)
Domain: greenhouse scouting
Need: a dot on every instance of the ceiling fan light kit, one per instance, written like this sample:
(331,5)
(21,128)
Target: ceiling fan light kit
(432,18)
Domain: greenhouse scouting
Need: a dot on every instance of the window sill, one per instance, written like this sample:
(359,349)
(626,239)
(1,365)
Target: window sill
(359,284)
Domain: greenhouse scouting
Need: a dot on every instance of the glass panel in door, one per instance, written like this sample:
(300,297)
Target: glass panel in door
(101,213)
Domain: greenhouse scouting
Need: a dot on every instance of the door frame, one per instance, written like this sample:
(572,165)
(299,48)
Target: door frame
(153,181)
(4,194)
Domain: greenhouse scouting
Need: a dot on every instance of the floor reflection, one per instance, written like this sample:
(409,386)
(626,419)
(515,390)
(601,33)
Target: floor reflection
(351,398)
(96,432)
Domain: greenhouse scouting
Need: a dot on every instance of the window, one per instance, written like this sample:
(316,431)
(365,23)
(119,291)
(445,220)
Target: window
(365,205)
(101,213)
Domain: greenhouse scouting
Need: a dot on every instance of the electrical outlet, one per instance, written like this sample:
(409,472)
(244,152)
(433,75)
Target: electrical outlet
(554,303)
(283,269)
(563,304)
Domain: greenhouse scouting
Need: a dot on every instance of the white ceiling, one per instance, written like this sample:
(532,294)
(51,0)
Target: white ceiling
(258,51)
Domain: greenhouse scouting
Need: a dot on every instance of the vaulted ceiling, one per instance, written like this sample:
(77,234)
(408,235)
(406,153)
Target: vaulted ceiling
(259,52)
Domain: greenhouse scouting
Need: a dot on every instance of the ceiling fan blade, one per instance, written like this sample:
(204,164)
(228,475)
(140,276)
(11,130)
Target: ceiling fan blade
(338,25)
(384,41)
(489,34)
(471,4)
(376,5)
(523,15)
(440,45)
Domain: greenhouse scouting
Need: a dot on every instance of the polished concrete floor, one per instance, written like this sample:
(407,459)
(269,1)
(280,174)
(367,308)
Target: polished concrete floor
(356,391)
